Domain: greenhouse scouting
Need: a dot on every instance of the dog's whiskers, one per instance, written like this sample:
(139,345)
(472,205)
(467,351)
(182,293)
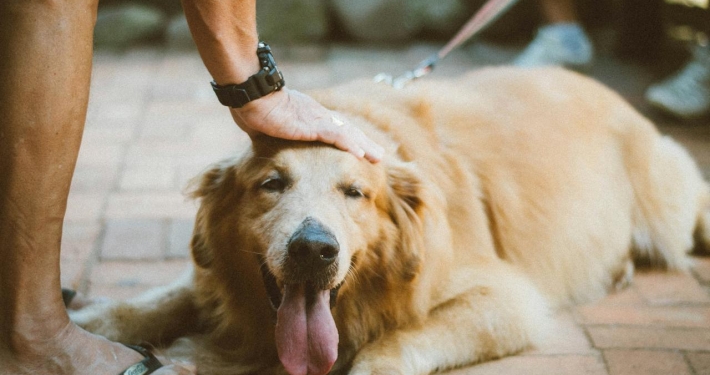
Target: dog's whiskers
(249,252)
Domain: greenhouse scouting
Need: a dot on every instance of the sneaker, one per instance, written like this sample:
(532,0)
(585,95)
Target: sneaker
(560,44)
(686,94)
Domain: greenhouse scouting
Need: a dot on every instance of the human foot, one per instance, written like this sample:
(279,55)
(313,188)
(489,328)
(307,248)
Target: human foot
(563,44)
(76,352)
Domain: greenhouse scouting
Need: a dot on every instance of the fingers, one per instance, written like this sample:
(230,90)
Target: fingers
(349,138)
(177,369)
(373,152)
(289,114)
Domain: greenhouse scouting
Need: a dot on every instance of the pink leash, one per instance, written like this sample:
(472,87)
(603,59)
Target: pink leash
(490,11)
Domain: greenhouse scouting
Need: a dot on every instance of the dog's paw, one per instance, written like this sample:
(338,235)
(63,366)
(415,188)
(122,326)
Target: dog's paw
(376,371)
(377,366)
(97,319)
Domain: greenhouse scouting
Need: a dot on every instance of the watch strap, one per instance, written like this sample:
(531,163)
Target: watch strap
(266,81)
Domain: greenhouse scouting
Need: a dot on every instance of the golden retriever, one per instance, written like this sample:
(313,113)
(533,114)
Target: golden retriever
(503,194)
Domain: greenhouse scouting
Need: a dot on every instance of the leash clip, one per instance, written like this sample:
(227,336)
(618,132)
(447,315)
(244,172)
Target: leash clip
(488,13)
(425,67)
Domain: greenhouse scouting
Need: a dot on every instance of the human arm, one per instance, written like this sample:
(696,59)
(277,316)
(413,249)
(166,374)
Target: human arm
(226,37)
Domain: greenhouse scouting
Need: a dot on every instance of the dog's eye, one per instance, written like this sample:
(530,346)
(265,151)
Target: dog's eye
(353,192)
(273,184)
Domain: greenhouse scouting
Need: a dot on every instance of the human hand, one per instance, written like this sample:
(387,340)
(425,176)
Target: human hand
(289,114)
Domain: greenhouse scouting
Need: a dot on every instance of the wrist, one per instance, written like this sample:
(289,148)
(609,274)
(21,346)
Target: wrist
(242,64)
(265,82)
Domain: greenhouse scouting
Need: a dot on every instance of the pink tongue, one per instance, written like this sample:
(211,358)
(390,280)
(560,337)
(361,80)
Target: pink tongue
(306,337)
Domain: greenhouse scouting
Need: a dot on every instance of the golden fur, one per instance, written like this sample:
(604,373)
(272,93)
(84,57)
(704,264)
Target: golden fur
(503,194)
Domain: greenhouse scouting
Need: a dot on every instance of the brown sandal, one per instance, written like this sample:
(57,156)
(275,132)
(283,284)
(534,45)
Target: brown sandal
(147,366)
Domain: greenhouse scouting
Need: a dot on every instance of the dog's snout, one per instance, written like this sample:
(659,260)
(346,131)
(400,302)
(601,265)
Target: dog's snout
(313,244)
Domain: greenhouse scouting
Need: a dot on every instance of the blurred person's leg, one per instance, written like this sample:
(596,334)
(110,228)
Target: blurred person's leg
(46,49)
(686,93)
(562,41)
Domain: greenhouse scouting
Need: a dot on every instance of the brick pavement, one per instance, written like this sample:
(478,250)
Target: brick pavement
(153,124)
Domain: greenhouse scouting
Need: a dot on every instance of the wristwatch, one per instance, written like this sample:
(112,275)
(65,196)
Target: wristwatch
(266,81)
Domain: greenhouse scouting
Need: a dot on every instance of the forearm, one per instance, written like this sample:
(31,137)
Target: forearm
(226,37)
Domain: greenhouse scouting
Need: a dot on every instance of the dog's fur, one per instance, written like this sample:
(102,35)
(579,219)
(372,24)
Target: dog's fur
(502,194)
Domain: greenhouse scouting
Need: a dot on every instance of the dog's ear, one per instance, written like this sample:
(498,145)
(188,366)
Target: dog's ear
(209,181)
(406,207)
(201,253)
(215,187)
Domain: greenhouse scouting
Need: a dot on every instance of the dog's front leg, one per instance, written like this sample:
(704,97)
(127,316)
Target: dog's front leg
(501,316)
(156,317)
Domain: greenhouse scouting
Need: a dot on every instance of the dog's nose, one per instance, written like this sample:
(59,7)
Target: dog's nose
(313,244)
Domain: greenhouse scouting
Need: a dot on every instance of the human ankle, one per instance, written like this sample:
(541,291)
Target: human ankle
(27,344)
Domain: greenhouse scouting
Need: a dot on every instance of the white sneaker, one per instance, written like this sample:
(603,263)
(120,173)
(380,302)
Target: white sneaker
(558,45)
(686,94)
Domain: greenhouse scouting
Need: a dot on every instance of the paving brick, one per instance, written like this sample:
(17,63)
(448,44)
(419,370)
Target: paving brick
(308,76)
(92,179)
(133,239)
(84,207)
(702,268)
(645,362)
(175,153)
(659,288)
(538,365)
(655,316)
(700,362)
(606,337)
(148,178)
(567,338)
(167,112)
(107,134)
(179,238)
(626,297)
(158,132)
(114,107)
(188,89)
(219,131)
(116,292)
(78,242)
(134,273)
(100,155)
(150,205)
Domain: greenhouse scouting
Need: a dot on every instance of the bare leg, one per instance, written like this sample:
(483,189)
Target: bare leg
(561,42)
(46,49)
(559,11)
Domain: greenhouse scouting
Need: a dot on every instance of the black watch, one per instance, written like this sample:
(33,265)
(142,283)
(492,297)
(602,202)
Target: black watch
(266,81)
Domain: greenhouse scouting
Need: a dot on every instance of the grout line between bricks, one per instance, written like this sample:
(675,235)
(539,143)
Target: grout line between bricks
(166,241)
(599,350)
(688,363)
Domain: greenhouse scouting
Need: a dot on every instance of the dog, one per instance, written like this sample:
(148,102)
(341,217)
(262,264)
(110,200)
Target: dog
(504,195)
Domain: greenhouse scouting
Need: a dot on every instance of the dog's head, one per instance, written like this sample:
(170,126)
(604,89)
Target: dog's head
(308,216)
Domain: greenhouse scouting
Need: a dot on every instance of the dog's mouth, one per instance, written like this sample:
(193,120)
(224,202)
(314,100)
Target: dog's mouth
(275,293)
(306,336)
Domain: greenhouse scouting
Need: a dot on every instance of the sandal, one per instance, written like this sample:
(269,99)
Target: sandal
(68,295)
(147,366)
